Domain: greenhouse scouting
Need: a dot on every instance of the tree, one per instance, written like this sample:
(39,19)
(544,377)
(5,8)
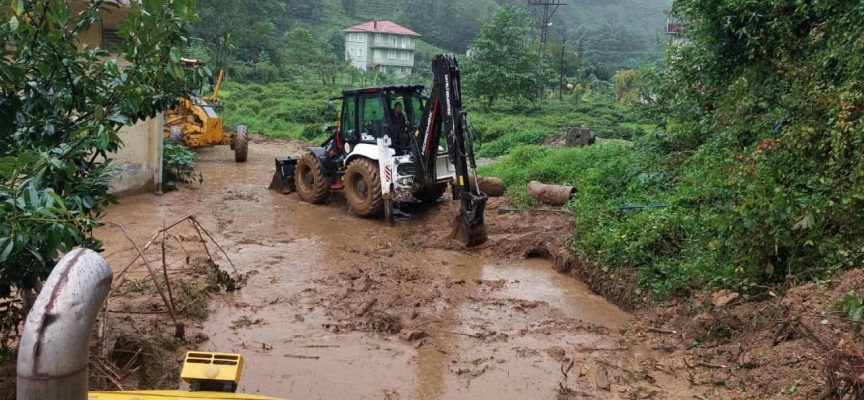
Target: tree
(254,26)
(60,109)
(503,61)
(613,47)
(626,83)
(350,7)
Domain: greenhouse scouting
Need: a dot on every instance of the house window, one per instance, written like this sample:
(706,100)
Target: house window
(351,52)
(359,52)
(110,40)
(391,54)
(391,40)
(352,37)
(377,53)
(377,38)
(361,37)
(405,55)
(406,41)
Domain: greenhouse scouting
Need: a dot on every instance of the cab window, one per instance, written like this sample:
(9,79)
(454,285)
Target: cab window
(349,119)
(373,122)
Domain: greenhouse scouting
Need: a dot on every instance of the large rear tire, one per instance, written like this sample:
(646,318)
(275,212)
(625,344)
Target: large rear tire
(241,144)
(363,187)
(431,195)
(313,186)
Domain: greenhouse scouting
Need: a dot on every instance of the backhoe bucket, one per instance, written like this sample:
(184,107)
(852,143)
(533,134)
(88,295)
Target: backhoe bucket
(468,227)
(283,178)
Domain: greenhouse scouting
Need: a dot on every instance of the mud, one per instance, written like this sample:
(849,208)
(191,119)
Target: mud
(341,307)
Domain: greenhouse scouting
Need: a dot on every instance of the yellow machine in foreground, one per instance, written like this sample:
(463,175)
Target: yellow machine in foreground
(195,123)
(209,375)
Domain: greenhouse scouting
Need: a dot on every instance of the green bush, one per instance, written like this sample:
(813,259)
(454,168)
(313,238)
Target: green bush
(313,133)
(178,166)
(506,143)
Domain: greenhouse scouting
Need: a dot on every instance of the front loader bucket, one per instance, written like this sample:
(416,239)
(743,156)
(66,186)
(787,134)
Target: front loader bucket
(468,227)
(283,178)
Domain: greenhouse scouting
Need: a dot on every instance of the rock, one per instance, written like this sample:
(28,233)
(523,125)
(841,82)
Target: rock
(411,336)
(601,378)
(719,379)
(557,353)
(363,284)
(579,137)
(200,338)
(723,297)
(745,360)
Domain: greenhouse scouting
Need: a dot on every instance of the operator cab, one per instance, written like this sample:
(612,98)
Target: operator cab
(369,114)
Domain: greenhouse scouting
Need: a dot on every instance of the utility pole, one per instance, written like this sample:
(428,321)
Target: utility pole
(549,8)
(561,79)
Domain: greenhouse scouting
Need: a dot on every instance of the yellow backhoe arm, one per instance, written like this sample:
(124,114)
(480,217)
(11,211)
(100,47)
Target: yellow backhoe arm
(215,96)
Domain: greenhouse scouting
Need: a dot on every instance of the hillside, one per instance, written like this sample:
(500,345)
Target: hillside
(610,35)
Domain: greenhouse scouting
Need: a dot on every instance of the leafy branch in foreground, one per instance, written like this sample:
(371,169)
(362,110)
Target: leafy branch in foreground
(61,105)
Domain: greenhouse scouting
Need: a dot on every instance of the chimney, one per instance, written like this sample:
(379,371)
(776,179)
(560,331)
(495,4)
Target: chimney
(375,24)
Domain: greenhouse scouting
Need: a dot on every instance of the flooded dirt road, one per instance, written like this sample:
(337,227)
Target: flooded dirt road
(338,307)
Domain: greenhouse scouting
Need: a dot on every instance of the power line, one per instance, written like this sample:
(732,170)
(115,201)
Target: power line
(548,12)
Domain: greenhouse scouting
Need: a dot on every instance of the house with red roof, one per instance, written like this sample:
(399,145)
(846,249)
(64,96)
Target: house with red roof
(383,46)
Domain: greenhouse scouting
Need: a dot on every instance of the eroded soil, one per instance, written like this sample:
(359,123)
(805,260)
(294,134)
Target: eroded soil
(341,307)
(332,306)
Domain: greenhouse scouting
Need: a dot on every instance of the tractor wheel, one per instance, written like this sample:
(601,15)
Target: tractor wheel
(175,134)
(313,186)
(363,187)
(431,195)
(241,144)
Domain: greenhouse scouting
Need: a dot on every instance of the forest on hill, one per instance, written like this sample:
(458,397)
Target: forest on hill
(609,36)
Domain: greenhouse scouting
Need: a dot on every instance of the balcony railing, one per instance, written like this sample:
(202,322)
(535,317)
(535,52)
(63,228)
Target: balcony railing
(387,45)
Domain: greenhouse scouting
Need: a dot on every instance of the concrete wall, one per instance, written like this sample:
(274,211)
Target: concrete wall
(139,160)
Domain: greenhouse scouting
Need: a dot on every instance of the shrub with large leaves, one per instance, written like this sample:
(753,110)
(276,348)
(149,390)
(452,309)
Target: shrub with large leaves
(61,106)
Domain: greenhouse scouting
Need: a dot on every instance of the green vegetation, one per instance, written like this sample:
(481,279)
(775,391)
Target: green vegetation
(178,166)
(279,109)
(504,62)
(758,157)
(853,308)
(60,109)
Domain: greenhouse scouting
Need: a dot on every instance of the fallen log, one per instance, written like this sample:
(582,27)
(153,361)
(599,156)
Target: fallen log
(492,187)
(553,195)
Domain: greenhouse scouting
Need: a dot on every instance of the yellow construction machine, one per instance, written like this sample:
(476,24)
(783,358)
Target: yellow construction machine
(195,123)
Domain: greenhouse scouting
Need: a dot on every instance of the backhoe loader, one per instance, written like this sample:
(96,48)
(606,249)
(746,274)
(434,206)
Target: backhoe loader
(195,123)
(376,152)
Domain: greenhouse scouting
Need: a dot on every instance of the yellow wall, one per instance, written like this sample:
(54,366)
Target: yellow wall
(139,160)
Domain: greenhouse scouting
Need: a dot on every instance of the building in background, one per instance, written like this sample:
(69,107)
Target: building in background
(139,160)
(381,46)
(673,28)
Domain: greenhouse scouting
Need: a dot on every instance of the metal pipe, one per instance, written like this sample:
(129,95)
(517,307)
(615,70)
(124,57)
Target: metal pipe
(53,354)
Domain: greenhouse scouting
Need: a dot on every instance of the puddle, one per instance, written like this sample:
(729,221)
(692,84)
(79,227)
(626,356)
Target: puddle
(533,279)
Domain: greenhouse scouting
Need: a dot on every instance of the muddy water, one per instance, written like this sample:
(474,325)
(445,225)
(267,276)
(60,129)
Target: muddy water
(289,248)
